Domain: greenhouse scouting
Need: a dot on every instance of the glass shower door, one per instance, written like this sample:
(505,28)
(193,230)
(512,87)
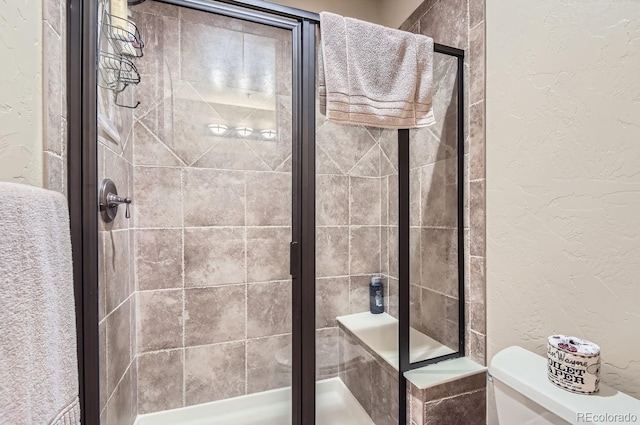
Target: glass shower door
(356,350)
(195,290)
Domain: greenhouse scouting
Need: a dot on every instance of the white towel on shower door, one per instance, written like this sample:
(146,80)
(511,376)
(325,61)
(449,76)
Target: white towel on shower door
(38,360)
(374,75)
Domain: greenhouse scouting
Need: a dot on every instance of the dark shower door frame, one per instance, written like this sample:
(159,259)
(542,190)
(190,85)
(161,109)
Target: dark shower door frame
(82,21)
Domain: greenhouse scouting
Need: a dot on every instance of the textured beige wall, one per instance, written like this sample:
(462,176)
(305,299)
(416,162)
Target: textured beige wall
(366,10)
(563,178)
(21,91)
(390,13)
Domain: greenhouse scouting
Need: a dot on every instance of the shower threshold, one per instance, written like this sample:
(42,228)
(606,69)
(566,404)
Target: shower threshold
(334,403)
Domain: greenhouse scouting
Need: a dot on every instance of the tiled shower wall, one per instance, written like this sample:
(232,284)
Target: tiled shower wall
(460,23)
(54,29)
(212,214)
(350,165)
(116,306)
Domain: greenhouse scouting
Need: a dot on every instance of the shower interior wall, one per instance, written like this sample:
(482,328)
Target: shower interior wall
(198,199)
(116,279)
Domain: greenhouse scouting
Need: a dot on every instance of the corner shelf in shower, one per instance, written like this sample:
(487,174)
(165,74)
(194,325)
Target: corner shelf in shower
(116,67)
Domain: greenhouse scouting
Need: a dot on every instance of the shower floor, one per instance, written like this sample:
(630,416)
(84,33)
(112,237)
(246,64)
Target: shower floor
(334,403)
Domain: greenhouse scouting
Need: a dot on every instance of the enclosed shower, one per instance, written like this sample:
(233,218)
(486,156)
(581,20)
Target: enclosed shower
(235,254)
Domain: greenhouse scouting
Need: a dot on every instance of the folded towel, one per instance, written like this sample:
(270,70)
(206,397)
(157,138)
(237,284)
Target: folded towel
(373,75)
(38,360)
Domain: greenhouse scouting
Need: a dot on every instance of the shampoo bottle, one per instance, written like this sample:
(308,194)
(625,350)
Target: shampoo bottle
(376,295)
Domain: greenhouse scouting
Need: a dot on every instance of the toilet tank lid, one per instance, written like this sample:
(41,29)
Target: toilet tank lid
(526,373)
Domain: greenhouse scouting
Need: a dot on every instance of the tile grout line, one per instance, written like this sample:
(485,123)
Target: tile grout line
(246,291)
(349,241)
(184,296)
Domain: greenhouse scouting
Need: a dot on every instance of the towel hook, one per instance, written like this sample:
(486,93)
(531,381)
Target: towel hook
(110,201)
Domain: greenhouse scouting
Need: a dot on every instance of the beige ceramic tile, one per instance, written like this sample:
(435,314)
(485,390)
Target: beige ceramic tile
(332,200)
(268,309)
(447,23)
(214,372)
(476,347)
(440,194)
(117,262)
(393,251)
(159,32)
(324,164)
(424,146)
(477,142)
(369,165)
(467,408)
(477,218)
(332,300)
(476,63)
(345,155)
(228,153)
(102,363)
(391,306)
(389,146)
(214,256)
(440,260)
(327,353)
(384,397)
(476,12)
(392,201)
(159,320)
(415,308)
(53,54)
(150,151)
(268,363)
(52,169)
(268,253)
(150,206)
(158,254)
(269,199)
(215,314)
(365,205)
(121,406)
(160,381)
(432,315)
(358,373)
(118,344)
(415,257)
(476,271)
(214,198)
(365,249)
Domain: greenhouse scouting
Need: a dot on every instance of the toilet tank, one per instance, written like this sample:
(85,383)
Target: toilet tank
(524,395)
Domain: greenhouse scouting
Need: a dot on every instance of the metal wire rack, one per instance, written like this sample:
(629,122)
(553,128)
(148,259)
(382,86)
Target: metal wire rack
(116,70)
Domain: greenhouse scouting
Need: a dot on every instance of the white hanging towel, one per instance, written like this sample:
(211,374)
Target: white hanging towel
(374,75)
(38,360)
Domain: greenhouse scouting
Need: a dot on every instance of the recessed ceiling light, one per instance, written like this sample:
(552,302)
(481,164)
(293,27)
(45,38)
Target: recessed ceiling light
(244,131)
(268,134)
(218,129)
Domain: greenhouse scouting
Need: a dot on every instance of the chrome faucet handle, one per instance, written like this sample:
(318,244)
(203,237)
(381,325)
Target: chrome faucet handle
(114,200)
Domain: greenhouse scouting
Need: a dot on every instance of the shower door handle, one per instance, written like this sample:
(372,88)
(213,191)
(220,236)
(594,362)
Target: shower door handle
(293,259)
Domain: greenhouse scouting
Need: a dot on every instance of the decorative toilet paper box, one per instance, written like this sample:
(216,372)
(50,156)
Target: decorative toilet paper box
(573,364)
